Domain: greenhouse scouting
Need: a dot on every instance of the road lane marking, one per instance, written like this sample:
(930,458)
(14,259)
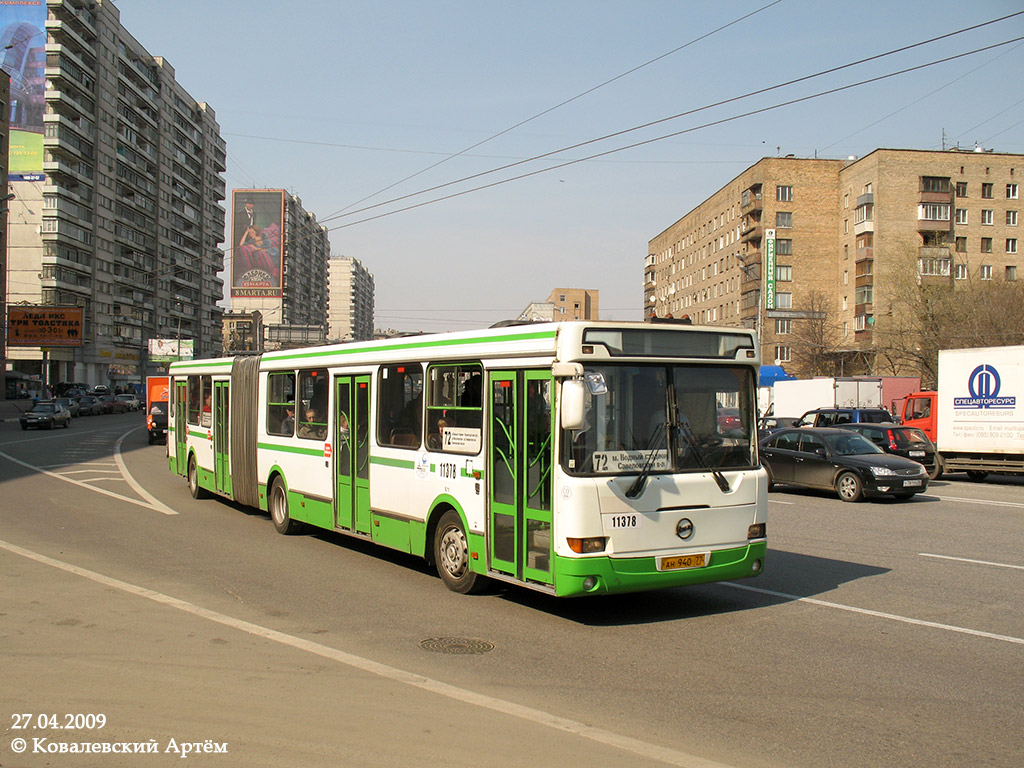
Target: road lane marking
(394,674)
(148,501)
(158,505)
(991,502)
(878,614)
(968,560)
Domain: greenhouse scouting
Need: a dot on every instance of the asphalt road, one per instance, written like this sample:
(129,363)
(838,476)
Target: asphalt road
(881,634)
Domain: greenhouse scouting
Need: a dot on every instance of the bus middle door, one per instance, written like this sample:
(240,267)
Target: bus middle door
(221,422)
(520,468)
(180,426)
(352,453)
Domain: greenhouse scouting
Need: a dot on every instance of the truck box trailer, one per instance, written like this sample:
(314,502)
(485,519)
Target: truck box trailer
(976,416)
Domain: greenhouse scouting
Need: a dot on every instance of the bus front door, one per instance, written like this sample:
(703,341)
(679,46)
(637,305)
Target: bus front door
(352,453)
(520,468)
(180,426)
(221,422)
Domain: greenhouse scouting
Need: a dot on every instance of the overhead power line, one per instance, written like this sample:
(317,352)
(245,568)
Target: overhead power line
(677,116)
(722,121)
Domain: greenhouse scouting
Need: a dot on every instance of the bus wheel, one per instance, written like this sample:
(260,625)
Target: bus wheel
(197,491)
(277,503)
(451,555)
(976,475)
(849,487)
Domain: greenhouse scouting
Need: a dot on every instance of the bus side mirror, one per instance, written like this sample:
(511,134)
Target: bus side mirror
(572,404)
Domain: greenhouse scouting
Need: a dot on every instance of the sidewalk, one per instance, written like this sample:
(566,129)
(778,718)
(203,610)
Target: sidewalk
(10,410)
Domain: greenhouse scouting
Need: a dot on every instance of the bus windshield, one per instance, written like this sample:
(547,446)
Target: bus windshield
(664,418)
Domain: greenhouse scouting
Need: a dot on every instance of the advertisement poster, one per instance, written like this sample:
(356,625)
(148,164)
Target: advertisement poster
(23,57)
(257,224)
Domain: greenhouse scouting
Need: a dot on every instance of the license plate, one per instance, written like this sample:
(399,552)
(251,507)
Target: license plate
(911,483)
(684,561)
(917,453)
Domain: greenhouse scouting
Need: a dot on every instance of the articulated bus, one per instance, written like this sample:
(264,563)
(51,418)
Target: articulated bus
(573,458)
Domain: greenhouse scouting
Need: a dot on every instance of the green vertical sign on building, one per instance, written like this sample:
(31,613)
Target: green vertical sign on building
(769,269)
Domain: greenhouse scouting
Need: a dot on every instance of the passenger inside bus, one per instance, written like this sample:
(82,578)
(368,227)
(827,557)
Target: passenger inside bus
(311,427)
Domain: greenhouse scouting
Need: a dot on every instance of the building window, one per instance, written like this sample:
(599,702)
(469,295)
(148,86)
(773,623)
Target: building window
(784,219)
(861,322)
(961,245)
(961,272)
(986,271)
(934,184)
(865,294)
(986,191)
(783,326)
(987,217)
(986,245)
(1011,191)
(784,300)
(961,189)
(784,272)
(1011,245)
(783,354)
(865,240)
(933,267)
(933,212)
(866,212)
(1011,218)
(1011,273)
(961,215)
(784,193)
(784,246)
(865,268)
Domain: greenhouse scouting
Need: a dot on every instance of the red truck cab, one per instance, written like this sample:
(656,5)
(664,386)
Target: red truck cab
(919,410)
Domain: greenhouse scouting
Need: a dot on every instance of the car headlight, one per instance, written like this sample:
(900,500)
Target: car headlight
(882,471)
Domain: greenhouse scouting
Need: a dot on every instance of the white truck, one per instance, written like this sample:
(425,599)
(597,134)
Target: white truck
(797,396)
(977,415)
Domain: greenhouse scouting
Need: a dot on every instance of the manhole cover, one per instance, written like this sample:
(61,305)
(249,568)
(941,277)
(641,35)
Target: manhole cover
(458,645)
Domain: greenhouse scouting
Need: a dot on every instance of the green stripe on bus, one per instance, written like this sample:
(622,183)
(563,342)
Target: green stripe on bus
(291,449)
(400,463)
(410,345)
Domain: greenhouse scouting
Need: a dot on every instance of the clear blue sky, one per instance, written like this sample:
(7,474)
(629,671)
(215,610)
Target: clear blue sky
(336,100)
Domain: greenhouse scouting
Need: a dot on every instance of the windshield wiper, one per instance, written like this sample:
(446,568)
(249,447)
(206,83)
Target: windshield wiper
(695,449)
(637,487)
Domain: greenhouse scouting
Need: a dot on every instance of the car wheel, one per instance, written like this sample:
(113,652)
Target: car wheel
(771,480)
(197,491)
(451,555)
(849,487)
(277,505)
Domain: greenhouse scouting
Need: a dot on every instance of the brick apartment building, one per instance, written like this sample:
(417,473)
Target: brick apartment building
(810,251)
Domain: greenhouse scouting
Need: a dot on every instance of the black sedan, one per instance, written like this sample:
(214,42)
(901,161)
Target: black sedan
(46,413)
(908,442)
(839,460)
(89,405)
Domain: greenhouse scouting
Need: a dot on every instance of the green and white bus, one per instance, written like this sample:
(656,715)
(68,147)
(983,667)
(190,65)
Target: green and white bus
(573,458)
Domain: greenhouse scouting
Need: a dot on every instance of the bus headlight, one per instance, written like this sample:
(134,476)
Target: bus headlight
(757,531)
(587,546)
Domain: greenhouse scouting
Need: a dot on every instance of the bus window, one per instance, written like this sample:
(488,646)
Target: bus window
(195,400)
(312,416)
(400,411)
(454,404)
(206,419)
(281,404)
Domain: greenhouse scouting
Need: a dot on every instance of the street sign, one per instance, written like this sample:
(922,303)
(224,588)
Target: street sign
(44,326)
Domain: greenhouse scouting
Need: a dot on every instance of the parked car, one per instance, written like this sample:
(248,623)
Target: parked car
(131,402)
(100,390)
(829,417)
(768,424)
(70,403)
(89,405)
(840,460)
(46,413)
(909,442)
(111,404)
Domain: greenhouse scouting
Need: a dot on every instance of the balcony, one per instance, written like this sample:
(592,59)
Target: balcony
(751,231)
(750,201)
(59,29)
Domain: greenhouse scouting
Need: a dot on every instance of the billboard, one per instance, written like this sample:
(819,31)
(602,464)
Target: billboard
(257,230)
(171,350)
(23,56)
(44,326)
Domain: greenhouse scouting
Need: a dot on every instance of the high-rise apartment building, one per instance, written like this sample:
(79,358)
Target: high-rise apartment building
(350,306)
(117,206)
(807,250)
(279,257)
